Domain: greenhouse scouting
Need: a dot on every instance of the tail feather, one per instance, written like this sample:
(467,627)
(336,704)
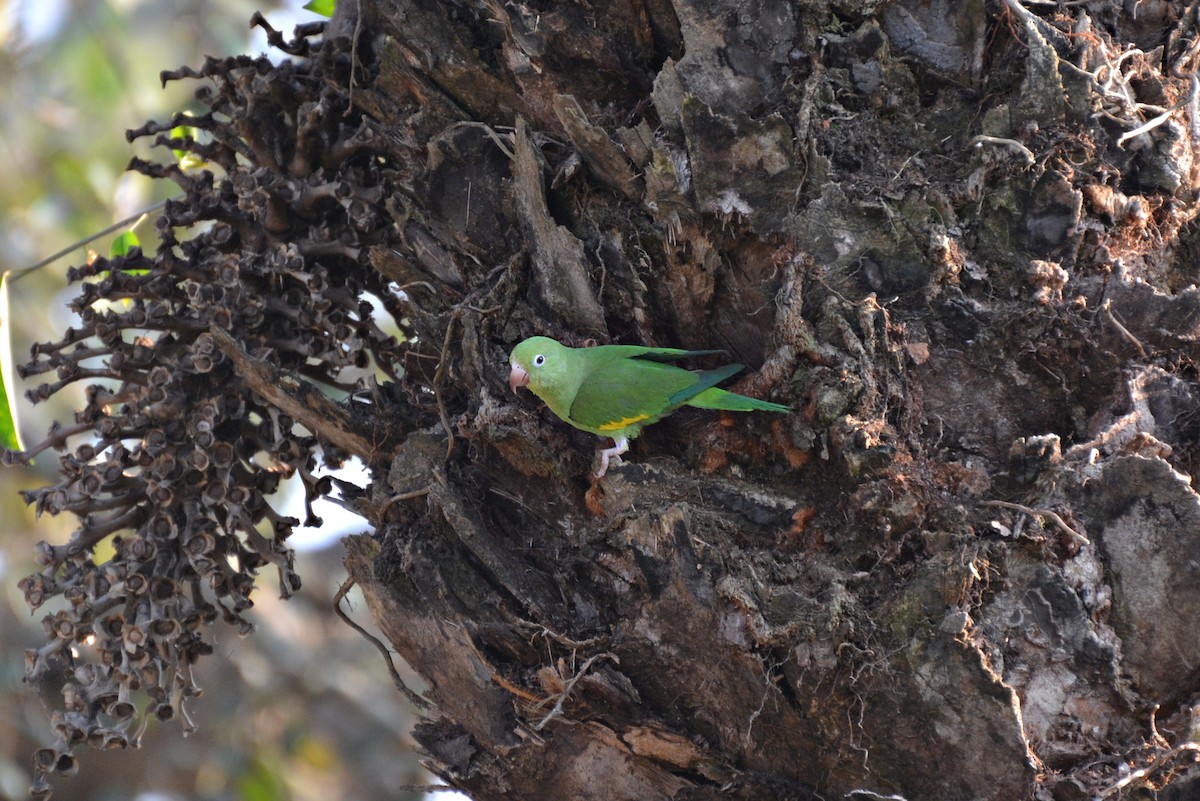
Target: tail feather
(714,398)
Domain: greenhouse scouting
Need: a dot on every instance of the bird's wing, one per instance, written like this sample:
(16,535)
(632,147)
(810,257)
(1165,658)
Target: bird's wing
(634,392)
(671,354)
(626,392)
(704,380)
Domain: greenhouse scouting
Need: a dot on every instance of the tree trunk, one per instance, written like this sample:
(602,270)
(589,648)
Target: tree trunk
(956,238)
(963,567)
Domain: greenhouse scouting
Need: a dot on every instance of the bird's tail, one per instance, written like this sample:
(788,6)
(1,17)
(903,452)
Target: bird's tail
(714,398)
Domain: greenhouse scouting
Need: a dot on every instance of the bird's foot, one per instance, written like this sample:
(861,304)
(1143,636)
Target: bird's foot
(613,455)
(607,458)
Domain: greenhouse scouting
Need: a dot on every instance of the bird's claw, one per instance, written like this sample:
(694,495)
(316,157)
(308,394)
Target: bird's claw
(613,454)
(605,459)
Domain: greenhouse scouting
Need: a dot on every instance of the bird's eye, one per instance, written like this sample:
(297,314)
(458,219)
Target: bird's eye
(539,360)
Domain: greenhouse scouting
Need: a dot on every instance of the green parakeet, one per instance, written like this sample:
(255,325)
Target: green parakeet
(617,390)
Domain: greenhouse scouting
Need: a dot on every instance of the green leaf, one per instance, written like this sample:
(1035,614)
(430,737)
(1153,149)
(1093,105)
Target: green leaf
(123,244)
(9,436)
(323,7)
(191,163)
(121,247)
(260,783)
(182,132)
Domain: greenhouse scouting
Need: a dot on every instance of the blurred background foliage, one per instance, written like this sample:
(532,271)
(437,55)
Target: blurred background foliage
(304,709)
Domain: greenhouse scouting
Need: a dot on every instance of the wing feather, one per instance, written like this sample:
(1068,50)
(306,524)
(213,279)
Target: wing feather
(704,380)
(671,354)
(626,392)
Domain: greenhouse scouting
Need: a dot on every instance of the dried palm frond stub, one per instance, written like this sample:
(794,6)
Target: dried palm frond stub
(173,457)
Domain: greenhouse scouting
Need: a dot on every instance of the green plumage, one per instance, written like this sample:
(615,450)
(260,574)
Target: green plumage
(617,390)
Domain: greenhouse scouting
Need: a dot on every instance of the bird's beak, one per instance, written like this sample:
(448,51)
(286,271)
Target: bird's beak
(518,378)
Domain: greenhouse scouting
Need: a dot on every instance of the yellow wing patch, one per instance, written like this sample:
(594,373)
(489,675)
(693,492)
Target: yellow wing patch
(624,421)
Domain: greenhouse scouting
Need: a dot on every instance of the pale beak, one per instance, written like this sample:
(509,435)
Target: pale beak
(518,378)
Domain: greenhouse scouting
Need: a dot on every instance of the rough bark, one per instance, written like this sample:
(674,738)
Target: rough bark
(918,224)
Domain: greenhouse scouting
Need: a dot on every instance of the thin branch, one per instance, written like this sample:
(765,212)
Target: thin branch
(1154,122)
(19,273)
(1046,513)
(538,628)
(300,400)
(490,131)
(358,14)
(403,496)
(570,685)
(1142,773)
(438,375)
(417,701)
(427,788)
(1125,332)
(1012,144)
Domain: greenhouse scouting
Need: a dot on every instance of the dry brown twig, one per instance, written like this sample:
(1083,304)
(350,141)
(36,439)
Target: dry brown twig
(347,585)
(1142,773)
(570,685)
(1052,516)
(1125,332)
